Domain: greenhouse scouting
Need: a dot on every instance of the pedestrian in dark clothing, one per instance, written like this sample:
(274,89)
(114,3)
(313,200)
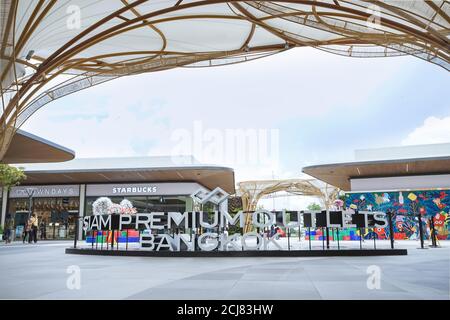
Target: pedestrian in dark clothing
(34,229)
(9,229)
(27,231)
(43,231)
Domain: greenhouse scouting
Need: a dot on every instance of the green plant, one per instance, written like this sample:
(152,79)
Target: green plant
(1,230)
(10,176)
(314,207)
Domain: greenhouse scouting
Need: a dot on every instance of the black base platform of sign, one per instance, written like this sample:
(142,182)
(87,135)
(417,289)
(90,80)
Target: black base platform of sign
(255,253)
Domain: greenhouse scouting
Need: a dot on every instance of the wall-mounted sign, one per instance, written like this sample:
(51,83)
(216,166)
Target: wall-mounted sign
(45,191)
(136,189)
(157,229)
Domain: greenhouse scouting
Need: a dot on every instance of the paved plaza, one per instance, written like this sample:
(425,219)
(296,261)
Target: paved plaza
(40,271)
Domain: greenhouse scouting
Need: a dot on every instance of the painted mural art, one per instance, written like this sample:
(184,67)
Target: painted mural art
(406,206)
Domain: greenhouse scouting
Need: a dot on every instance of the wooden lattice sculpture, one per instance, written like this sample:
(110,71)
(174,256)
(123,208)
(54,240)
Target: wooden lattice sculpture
(253,191)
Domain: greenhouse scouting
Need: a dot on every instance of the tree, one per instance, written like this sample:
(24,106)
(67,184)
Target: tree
(234,204)
(314,207)
(10,176)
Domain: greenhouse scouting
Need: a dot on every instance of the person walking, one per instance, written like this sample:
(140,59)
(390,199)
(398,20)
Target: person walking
(43,230)
(27,231)
(34,228)
(9,229)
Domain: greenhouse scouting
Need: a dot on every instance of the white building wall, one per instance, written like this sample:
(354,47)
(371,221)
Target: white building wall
(403,152)
(401,183)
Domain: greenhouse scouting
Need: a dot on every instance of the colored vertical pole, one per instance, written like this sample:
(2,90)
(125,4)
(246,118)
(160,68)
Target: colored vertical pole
(374,239)
(337,237)
(113,238)
(76,234)
(420,230)
(391,229)
(433,233)
(327,230)
(289,238)
(360,238)
(96,239)
(110,236)
(323,239)
(309,237)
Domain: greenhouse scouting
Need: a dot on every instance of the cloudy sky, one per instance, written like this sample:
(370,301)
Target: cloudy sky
(304,107)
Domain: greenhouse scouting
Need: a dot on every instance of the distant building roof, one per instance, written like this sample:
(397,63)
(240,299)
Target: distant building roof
(403,152)
(119,163)
(29,148)
(385,162)
(131,169)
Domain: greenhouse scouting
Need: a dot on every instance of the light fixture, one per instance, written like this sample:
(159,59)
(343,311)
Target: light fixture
(29,55)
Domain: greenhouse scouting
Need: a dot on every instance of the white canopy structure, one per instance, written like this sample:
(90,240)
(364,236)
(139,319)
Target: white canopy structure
(51,48)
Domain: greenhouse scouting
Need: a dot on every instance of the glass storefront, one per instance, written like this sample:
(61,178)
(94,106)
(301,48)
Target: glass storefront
(57,207)
(149,203)
(18,211)
(56,216)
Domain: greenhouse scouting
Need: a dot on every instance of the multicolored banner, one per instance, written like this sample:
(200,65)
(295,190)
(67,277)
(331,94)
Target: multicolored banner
(130,236)
(406,206)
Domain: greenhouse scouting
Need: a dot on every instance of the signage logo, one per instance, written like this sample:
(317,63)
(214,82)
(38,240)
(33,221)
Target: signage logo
(127,190)
(173,230)
(44,191)
(216,196)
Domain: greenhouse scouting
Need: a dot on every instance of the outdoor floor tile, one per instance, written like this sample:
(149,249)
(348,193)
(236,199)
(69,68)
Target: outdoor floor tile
(40,272)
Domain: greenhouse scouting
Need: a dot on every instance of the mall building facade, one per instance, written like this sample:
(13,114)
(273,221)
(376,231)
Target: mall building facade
(408,181)
(60,193)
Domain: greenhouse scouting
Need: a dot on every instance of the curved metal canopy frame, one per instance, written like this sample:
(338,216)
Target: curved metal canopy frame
(50,49)
(253,191)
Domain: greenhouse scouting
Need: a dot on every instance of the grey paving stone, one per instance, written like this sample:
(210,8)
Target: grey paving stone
(40,272)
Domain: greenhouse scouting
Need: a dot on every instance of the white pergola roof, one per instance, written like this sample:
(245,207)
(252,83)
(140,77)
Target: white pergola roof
(50,48)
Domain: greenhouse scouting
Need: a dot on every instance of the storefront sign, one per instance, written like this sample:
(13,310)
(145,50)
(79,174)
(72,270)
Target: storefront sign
(159,227)
(45,191)
(157,189)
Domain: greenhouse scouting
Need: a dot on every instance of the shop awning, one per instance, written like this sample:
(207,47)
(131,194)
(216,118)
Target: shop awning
(28,148)
(339,174)
(131,170)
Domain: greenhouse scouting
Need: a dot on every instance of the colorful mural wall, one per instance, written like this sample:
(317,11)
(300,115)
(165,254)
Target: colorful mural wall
(406,205)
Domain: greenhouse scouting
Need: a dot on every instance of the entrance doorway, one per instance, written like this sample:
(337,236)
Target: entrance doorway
(56,216)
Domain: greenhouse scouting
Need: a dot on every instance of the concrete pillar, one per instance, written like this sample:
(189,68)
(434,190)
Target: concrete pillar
(81,209)
(4,195)
(189,204)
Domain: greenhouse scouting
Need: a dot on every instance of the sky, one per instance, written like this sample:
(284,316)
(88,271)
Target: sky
(266,118)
